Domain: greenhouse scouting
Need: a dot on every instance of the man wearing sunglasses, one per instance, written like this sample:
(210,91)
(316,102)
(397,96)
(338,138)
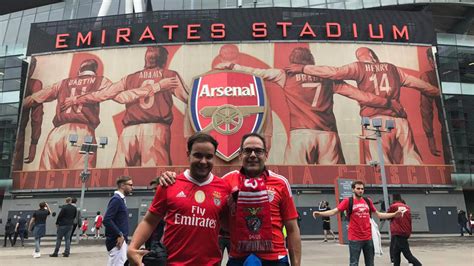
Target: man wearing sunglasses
(261,204)
(116,222)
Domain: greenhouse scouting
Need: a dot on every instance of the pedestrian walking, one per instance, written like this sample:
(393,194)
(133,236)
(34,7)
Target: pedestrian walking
(116,222)
(64,223)
(324,206)
(84,227)
(98,224)
(77,221)
(20,230)
(400,228)
(359,210)
(9,232)
(462,222)
(38,226)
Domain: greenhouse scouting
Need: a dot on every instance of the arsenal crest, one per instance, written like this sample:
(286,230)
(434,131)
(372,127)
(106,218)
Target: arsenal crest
(227,105)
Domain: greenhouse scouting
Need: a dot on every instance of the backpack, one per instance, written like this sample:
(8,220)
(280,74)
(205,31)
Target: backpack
(351,204)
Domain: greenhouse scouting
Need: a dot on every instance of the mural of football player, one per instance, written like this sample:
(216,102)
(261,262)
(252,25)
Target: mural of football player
(385,80)
(313,131)
(427,114)
(147,95)
(80,119)
(36,113)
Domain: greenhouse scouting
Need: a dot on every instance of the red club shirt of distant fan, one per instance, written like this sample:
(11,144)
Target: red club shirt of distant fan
(359,223)
(191,211)
(282,208)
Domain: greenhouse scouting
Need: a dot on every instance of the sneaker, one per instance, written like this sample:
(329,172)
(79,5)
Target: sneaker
(325,240)
(65,255)
(53,255)
(36,255)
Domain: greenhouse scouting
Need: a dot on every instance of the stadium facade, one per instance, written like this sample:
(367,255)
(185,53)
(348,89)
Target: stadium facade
(200,39)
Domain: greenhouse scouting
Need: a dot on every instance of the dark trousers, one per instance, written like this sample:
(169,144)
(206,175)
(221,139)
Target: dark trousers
(366,246)
(64,231)
(401,246)
(74,226)
(9,236)
(464,226)
(21,234)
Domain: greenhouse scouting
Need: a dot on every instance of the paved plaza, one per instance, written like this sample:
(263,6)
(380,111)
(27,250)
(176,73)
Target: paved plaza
(429,249)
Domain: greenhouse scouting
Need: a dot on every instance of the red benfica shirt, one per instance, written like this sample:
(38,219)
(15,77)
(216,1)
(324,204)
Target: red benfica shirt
(359,224)
(282,208)
(400,226)
(152,109)
(191,211)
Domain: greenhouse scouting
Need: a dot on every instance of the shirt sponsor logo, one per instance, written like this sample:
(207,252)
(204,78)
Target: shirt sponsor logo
(197,219)
(181,195)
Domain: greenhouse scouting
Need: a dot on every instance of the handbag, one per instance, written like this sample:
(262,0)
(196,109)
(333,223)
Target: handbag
(157,256)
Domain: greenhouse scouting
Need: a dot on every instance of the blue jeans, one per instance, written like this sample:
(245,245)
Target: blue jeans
(64,231)
(37,244)
(366,246)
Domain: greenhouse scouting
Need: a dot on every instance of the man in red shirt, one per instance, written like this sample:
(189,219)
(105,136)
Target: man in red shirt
(400,227)
(261,205)
(191,209)
(360,233)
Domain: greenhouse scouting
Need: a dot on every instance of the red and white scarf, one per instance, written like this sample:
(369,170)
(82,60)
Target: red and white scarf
(253,228)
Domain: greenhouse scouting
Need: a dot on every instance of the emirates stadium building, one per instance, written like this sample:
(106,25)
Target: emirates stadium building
(85,97)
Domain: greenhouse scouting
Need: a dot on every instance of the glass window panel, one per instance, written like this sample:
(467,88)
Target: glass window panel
(192,4)
(12,31)
(339,5)
(447,51)
(264,3)
(4,17)
(388,2)
(10,97)
(11,85)
(16,14)
(317,2)
(3,30)
(43,8)
(42,17)
(282,3)
(13,61)
(210,4)
(451,87)
(173,4)
(95,9)
(13,72)
(58,5)
(446,38)
(400,2)
(84,11)
(354,5)
(29,11)
(25,29)
(371,3)
(157,4)
(1,83)
(10,109)
(55,15)
(299,3)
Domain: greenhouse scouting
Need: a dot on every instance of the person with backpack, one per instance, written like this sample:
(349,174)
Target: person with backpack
(359,210)
(9,232)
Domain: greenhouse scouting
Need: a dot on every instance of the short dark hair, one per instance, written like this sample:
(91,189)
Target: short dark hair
(122,179)
(98,213)
(42,205)
(74,200)
(200,137)
(248,135)
(357,182)
(397,197)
